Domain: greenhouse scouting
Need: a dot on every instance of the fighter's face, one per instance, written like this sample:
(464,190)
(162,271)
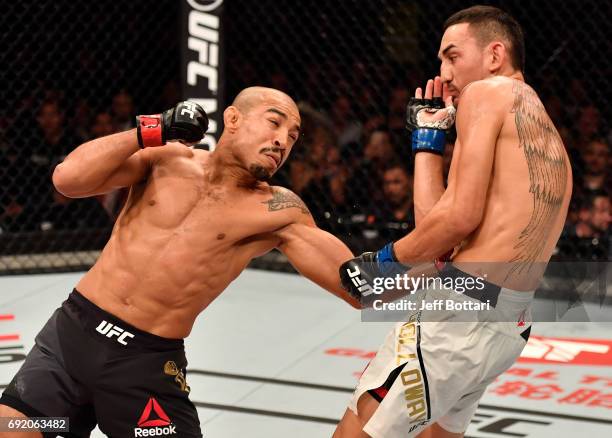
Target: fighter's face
(462,57)
(266,135)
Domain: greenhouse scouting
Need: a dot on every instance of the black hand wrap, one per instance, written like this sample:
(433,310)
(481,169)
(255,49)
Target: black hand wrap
(187,122)
(359,275)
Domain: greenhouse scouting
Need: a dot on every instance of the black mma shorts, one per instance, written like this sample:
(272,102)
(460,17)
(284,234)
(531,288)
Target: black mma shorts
(94,368)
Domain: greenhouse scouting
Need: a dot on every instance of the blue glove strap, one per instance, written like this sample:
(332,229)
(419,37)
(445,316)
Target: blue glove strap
(388,263)
(428,140)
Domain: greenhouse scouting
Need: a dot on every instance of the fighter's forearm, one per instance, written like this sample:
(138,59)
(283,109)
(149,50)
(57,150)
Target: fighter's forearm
(428,183)
(441,230)
(93,162)
(317,255)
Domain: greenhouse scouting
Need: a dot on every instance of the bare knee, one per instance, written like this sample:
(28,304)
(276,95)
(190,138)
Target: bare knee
(6,411)
(351,425)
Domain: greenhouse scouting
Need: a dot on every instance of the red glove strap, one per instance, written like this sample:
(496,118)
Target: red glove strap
(150,131)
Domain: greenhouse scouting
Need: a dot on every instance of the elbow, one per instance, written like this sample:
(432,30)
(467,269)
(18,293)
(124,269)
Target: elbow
(63,181)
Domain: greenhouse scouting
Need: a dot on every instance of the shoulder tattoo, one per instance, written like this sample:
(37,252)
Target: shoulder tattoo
(283,199)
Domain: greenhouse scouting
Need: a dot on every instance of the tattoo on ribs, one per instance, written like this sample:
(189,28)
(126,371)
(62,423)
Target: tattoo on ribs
(544,153)
(282,199)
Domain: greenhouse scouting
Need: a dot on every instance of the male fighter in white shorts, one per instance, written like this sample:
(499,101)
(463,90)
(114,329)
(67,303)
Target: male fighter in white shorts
(113,353)
(505,204)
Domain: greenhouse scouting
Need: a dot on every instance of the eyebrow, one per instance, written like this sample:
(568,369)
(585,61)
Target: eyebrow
(450,46)
(283,115)
(277,111)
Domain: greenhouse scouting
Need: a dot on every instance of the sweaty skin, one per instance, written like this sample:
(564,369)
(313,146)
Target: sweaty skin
(529,182)
(509,183)
(194,219)
(508,190)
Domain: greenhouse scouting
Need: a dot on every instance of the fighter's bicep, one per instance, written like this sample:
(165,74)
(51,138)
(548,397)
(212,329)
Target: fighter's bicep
(133,171)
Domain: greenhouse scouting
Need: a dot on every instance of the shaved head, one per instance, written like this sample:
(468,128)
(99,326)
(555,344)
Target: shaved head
(253,96)
(261,126)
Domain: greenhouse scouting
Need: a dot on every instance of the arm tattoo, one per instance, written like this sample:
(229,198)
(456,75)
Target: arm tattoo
(282,199)
(545,155)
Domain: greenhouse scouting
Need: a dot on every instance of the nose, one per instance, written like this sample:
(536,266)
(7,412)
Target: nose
(281,140)
(445,73)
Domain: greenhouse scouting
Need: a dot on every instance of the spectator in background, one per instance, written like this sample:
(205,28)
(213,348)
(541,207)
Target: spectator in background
(374,121)
(594,175)
(123,111)
(393,217)
(589,237)
(81,120)
(102,125)
(13,187)
(367,175)
(578,97)
(51,143)
(588,126)
(347,128)
(398,205)
(54,211)
(318,175)
(596,159)
(73,214)
(57,140)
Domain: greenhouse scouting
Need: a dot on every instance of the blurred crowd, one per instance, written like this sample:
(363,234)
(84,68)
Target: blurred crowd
(354,169)
(40,136)
(352,166)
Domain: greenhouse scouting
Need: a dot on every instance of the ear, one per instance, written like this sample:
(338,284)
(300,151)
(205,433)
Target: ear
(497,56)
(231,118)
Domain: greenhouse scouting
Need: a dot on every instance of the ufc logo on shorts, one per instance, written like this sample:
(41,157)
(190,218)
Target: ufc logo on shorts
(362,285)
(188,108)
(109,330)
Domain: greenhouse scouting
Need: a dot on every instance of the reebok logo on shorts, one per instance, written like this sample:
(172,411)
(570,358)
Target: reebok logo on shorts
(154,421)
(109,330)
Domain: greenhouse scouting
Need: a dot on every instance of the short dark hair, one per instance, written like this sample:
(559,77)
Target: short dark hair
(396,164)
(489,23)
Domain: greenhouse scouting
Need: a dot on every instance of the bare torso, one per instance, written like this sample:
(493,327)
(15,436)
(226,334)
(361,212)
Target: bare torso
(528,195)
(178,243)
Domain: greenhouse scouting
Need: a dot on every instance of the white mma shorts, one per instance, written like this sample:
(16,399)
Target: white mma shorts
(436,366)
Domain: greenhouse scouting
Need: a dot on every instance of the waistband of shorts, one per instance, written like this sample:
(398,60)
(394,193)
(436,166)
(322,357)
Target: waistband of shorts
(490,293)
(100,323)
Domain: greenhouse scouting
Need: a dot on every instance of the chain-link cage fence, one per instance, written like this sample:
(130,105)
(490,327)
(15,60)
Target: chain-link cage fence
(74,71)
(354,64)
